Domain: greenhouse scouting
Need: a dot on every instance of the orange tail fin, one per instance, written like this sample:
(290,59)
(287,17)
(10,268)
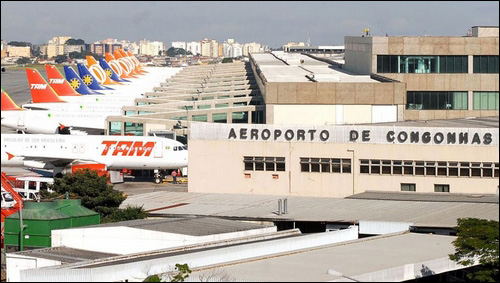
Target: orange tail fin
(40,90)
(8,103)
(126,65)
(59,83)
(98,72)
(116,66)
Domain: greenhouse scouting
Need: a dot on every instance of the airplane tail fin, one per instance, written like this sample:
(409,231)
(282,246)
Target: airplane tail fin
(58,82)
(115,65)
(8,103)
(76,82)
(138,64)
(125,64)
(98,72)
(89,79)
(40,90)
(110,72)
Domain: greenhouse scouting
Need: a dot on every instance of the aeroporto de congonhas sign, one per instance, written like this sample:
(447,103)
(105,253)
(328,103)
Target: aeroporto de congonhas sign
(347,134)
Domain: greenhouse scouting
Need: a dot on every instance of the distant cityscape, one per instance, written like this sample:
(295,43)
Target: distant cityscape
(65,49)
(62,49)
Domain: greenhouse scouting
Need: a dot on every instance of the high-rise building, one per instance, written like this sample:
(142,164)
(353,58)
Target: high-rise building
(194,47)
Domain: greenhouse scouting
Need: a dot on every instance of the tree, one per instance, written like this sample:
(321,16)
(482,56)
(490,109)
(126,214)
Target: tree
(61,58)
(477,239)
(183,272)
(227,60)
(96,194)
(23,60)
(172,52)
(19,43)
(73,41)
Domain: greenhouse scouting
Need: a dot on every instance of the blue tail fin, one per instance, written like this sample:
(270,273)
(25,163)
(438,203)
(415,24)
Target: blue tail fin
(89,79)
(105,66)
(77,83)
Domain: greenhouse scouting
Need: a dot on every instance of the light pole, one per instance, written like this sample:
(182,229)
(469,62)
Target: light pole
(352,169)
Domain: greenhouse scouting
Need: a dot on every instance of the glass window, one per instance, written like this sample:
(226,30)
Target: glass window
(248,163)
(419,64)
(240,117)
(314,164)
(485,100)
(408,187)
(439,188)
(304,164)
(259,163)
(325,165)
(487,64)
(134,129)
(115,128)
(200,118)
(270,166)
(336,166)
(280,164)
(346,165)
(219,117)
(430,100)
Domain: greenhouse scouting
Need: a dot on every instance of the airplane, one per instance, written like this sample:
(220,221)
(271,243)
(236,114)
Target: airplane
(44,97)
(79,121)
(60,152)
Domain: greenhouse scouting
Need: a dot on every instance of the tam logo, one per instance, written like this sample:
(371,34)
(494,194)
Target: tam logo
(128,148)
(56,81)
(38,86)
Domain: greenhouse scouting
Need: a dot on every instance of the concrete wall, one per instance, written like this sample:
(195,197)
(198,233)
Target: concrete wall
(127,240)
(335,93)
(358,54)
(17,263)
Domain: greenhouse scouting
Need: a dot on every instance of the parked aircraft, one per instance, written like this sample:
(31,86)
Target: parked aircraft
(78,121)
(60,152)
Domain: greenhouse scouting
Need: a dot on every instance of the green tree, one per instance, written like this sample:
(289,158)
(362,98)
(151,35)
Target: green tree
(183,272)
(172,52)
(227,60)
(152,278)
(19,43)
(73,41)
(61,58)
(478,239)
(95,192)
(23,60)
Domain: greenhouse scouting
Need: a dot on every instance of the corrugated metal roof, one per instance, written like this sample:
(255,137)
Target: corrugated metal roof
(262,207)
(199,226)
(431,197)
(483,122)
(65,254)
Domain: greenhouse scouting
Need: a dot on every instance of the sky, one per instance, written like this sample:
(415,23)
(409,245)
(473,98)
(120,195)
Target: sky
(272,23)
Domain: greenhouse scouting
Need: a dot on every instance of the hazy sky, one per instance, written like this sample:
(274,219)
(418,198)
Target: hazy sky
(270,23)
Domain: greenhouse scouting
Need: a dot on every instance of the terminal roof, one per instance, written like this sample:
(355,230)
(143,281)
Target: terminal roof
(199,226)
(317,209)
(65,254)
(482,122)
(295,67)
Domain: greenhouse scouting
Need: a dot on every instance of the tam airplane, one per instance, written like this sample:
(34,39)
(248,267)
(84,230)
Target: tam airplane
(45,97)
(78,121)
(60,152)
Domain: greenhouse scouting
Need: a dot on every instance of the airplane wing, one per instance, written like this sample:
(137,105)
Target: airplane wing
(55,161)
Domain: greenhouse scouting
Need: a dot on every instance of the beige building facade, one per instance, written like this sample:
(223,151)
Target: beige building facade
(19,51)
(339,161)
(446,77)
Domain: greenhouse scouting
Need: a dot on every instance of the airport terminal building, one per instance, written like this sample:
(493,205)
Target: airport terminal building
(343,160)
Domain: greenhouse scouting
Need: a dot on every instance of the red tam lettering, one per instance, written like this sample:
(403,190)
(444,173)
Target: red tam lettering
(122,147)
(140,149)
(107,146)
